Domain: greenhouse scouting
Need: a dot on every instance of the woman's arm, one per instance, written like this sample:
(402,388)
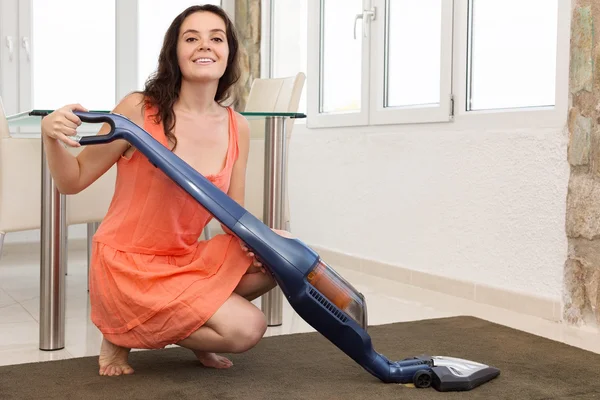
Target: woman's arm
(72,174)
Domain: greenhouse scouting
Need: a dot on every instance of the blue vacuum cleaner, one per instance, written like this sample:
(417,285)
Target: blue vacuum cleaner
(315,291)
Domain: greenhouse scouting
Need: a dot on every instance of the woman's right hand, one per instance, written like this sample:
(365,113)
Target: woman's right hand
(62,123)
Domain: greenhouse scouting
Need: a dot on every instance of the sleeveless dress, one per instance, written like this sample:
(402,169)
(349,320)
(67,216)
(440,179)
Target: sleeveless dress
(152,282)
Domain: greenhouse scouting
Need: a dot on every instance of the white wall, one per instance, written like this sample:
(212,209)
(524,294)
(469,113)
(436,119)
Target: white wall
(481,205)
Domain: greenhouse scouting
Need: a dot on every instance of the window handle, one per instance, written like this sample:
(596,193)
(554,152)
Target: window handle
(10,46)
(25,43)
(365,16)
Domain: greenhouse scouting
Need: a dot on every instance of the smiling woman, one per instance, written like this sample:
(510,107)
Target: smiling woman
(152,282)
(154,18)
(192,35)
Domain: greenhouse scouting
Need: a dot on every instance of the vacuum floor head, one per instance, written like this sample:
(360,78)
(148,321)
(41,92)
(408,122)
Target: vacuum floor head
(447,374)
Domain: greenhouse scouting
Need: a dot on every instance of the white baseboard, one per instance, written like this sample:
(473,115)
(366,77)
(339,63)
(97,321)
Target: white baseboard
(27,247)
(76,232)
(548,309)
(523,303)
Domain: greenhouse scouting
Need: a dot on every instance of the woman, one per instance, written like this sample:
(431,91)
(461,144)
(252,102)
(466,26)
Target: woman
(152,283)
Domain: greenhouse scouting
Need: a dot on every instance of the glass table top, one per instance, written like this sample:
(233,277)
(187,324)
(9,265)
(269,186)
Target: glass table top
(33,117)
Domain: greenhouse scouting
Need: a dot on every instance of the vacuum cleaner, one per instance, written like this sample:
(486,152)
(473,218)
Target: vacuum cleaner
(325,300)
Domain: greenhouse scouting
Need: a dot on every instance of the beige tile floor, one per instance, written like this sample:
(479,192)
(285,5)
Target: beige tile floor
(387,301)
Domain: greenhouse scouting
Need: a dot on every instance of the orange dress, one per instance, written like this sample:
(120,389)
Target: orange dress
(152,282)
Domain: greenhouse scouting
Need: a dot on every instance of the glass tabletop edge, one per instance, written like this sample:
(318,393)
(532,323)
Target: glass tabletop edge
(43,113)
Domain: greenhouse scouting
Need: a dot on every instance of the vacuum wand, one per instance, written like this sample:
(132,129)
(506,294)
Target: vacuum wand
(316,292)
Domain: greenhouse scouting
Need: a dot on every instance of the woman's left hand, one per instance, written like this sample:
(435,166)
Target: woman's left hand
(256,265)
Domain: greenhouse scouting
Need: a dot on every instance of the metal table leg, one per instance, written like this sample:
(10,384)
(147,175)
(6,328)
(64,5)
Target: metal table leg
(92,227)
(2,236)
(53,242)
(274,208)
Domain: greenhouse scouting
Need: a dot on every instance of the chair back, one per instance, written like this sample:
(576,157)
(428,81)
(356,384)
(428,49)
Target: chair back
(20,180)
(4,132)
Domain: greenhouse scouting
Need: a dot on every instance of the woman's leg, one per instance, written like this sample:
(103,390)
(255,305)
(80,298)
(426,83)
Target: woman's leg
(236,327)
(251,286)
(255,284)
(221,333)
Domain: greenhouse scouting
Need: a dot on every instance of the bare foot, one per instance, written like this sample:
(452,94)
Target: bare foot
(213,360)
(113,359)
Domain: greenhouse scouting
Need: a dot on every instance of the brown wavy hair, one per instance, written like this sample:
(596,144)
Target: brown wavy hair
(162,87)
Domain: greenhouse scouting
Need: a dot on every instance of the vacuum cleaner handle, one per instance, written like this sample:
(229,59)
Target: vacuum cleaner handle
(99,117)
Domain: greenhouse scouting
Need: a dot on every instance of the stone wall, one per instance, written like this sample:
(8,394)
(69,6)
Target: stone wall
(582,268)
(248,25)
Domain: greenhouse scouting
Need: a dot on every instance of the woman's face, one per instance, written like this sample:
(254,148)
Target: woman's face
(202,48)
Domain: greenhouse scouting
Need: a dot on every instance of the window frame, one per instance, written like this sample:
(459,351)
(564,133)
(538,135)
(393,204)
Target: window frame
(528,117)
(316,119)
(10,59)
(380,115)
(453,87)
(373,61)
(125,57)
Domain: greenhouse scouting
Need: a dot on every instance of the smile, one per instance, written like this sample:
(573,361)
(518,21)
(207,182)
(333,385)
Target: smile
(203,60)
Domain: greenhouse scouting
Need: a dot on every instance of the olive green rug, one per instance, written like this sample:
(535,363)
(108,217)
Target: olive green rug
(307,366)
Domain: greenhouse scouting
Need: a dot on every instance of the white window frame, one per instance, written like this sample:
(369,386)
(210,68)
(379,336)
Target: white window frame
(373,60)
(380,115)
(316,119)
(125,60)
(514,117)
(9,58)
(453,83)
(266,44)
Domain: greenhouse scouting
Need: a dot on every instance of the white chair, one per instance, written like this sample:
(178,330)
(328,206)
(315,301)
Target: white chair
(266,95)
(20,187)
(20,181)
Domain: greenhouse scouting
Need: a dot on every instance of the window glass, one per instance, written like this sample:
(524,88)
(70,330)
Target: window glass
(512,53)
(72,53)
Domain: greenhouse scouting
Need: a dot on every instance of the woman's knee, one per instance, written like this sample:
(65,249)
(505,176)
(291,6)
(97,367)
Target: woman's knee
(239,323)
(248,332)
